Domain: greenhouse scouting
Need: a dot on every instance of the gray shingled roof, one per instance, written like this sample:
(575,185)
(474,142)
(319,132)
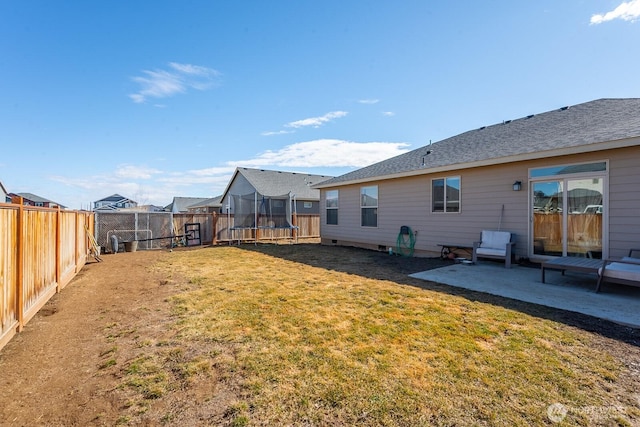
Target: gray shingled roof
(278,183)
(113,198)
(534,136)
(214,202)
(180,204)
(34,198)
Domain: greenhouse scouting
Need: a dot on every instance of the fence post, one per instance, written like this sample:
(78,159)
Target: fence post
(135,226)
(58,239)
(214,228)
(76,235)
(20,262)
(294,231)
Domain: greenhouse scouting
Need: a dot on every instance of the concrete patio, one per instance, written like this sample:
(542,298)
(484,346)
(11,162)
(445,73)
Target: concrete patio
(571,292)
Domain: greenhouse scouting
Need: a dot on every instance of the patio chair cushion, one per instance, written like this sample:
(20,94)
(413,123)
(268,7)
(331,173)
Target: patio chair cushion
(619,270)
(491,251)
(631,259)
(491,241)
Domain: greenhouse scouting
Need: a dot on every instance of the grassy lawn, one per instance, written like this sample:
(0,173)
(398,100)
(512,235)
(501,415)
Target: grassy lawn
(310,335)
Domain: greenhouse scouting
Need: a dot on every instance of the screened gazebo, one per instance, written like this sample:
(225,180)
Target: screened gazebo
(264,204)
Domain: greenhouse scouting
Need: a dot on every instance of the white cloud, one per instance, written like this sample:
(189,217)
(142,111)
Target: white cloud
(135,172)
(91,188)
(279,132)
(388,113)
(148,185)
(627,11)
(217,176)
(368,101)
(177,79)
(124,175)
(191,178)
(317,121)
(215,171)
(195,70)
(327,153)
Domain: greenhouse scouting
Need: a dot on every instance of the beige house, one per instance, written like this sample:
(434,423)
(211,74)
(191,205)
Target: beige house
(566,182)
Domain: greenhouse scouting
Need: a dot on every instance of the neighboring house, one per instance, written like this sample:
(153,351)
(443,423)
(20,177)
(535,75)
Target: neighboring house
(4,197)
(207,206)
(269,183)
(30,199)
(143,208)
(566,182)
(181,204)
(115,202)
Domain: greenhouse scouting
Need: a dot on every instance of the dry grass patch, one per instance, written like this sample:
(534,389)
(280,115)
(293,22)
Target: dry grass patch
(306,342)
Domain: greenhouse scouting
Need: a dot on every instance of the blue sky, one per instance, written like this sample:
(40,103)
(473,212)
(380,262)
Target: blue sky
(158,99)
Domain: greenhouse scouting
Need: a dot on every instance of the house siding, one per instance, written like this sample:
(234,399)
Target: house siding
(314,209)
(484,192)
(407,201)
(624,201)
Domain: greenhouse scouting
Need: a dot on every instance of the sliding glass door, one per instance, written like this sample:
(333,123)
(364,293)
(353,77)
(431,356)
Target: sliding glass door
(548,206)
(567,212)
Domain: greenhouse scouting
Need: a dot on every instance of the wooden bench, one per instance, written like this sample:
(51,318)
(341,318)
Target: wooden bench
(571,263)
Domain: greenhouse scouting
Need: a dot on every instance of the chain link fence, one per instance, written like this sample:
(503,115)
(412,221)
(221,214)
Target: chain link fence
(160,230)
(152,230)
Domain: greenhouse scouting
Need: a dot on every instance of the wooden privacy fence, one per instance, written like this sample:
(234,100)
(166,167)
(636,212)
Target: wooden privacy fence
(41,250)
(584,233)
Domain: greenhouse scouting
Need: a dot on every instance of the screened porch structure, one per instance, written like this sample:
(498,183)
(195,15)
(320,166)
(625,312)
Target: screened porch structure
(258,216)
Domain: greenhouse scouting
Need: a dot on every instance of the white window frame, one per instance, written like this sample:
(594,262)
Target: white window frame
(363,206)
(445,202)
(329,199)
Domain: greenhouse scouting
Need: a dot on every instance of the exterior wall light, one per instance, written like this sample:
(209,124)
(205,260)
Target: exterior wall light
(517,186)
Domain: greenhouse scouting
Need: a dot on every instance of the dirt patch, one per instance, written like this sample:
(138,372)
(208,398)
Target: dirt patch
(59,371)
(66,367)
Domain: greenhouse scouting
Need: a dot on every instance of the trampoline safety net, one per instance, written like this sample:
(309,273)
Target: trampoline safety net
(255,210)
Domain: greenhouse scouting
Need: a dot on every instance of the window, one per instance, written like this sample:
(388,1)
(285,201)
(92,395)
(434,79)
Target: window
(307,205)
(568,169)
(445,194)
(331,198)
(369,206)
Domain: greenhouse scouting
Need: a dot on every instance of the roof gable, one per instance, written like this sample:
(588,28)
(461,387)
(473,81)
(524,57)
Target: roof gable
(114,198)
(278,183)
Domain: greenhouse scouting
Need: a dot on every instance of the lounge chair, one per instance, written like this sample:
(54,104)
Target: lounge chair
(625,271)
(495,245)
